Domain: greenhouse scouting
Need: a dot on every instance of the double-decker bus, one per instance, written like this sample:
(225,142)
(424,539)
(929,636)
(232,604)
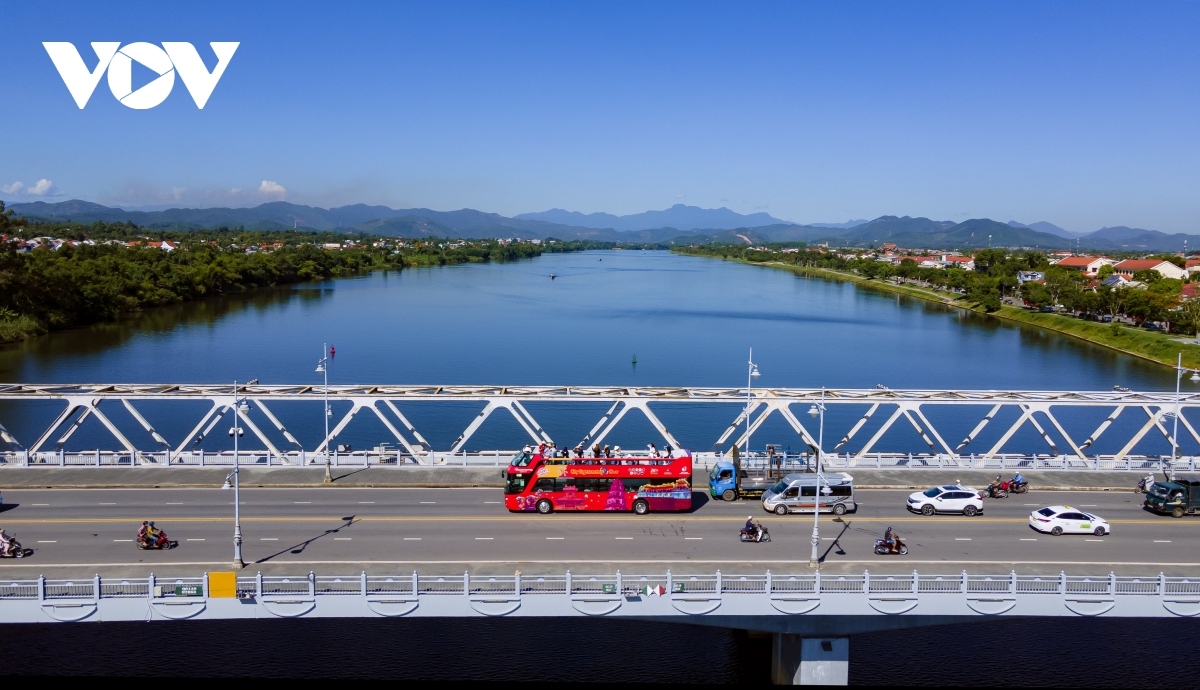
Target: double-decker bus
(535,483)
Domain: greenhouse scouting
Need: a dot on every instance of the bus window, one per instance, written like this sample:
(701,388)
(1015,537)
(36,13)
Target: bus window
(593,484)
(544,484)
(515,483)
(521,459)
(809,491)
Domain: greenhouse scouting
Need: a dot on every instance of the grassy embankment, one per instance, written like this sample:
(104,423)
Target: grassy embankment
(1152,346)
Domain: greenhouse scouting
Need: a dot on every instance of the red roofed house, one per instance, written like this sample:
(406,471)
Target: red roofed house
(1165,269)
(1191,266)
(1090,265)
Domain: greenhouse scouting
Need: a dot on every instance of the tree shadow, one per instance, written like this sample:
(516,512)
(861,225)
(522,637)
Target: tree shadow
(301,546)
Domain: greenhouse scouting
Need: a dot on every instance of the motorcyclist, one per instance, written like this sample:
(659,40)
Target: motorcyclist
(142,531)
(1018,479)
(750,527)
(892,541)
(991,489)
(152,534)
(5,543)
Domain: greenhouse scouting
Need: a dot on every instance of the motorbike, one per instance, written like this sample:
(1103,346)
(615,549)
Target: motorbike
(1144,484)
(752,535)
(1016,487)
(881,548)
(15,550)
(995,491)
(160,542)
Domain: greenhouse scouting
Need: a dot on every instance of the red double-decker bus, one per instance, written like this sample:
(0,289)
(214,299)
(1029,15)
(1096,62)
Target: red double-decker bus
(535,483)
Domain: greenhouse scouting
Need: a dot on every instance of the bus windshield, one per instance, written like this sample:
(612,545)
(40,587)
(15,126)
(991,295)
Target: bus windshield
(515,483)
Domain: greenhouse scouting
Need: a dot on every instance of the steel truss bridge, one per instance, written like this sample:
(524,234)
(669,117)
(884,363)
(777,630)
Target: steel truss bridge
(863,443)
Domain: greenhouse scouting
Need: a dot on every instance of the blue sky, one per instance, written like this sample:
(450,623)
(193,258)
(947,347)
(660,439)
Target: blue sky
(1081,113)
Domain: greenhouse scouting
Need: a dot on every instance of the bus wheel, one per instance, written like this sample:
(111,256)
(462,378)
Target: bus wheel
(641,507)
(545,507)
(729,495)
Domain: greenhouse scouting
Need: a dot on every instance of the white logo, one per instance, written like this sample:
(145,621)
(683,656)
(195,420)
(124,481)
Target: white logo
(118,60)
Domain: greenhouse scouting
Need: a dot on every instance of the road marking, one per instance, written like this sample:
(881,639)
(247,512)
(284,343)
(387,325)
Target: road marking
(122,540)
(623,537)
(1030,539)
(1162,541)
(1031,504)
(483,538)
(492,502)
(694,538)
(174,504)
(1093,540)
(556,538)
(108,504)
(302,502)
(365,502)
(201,539)
(412,539)
(428,503)
(962,539)
(40,504)
(1087,505)
(269,539)
(47,541)
(342,538)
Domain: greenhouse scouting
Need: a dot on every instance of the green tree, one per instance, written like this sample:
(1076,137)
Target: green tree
(1105,271)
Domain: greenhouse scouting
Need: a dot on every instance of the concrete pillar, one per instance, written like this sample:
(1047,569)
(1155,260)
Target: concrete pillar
(809,661)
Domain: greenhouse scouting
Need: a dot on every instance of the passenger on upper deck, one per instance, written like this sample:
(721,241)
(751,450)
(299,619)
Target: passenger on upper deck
(607,451)
(653,450)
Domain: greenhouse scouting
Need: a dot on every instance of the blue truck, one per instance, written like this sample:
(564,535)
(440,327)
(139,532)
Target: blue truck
(729,482)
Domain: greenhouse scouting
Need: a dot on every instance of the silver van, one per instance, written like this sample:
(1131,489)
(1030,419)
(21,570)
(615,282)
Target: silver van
(796,493)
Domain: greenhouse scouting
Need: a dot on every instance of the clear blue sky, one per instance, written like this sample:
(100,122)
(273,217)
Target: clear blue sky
(1081,113)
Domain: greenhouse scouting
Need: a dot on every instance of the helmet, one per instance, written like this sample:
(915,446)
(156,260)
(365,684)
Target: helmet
(749,517)
(151,524)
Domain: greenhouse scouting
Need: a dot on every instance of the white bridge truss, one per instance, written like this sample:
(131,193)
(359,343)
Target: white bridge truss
(1036,410)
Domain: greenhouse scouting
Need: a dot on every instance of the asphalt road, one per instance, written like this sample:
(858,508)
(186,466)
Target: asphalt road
(451,530)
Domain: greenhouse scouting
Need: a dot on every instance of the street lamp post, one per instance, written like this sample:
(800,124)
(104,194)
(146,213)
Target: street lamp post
(239,408)
(324,371)
(751,374)
(817,410)
(1179,372)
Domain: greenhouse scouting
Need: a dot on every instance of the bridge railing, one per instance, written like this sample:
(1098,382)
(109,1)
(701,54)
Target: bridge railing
(716,584)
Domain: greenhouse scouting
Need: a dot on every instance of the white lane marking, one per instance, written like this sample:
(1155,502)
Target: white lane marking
(123,540)
(1087,505)
(342,538)
(108,504)
(492,502)
(269,539)
(694,538)
(1032,504)
(1162,541)
(624,537)
(1031,539)
(1093,540)
(40,504)
(483,538)
(962,539)
(174,504)
(556,538)
(428,503)
(200,539)
(365,502)
(412,539)
(47,541)
(301,502)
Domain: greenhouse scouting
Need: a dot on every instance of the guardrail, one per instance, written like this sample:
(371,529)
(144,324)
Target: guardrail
(783,464)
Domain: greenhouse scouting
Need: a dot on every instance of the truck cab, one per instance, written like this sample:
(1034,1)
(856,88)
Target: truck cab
(1178,497)
(729,484)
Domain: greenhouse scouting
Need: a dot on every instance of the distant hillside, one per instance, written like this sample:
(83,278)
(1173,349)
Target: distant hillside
(1043,226)
(678,216)
(1122,238)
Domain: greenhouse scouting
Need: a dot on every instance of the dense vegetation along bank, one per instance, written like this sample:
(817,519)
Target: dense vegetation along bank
(944,286)
(77,275)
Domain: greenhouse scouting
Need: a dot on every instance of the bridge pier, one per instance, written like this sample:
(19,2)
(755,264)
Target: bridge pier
(797,660)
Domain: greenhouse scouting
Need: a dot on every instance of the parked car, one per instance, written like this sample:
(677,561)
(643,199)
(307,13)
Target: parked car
(1058,520)
(950,498)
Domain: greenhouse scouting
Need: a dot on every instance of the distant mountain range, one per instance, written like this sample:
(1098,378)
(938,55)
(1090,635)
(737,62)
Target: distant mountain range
(676,225)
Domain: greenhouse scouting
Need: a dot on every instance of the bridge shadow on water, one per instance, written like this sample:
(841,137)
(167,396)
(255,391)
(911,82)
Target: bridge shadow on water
(1087,652)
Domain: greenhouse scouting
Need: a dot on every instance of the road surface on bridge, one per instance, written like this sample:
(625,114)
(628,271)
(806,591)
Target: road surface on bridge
(346,530)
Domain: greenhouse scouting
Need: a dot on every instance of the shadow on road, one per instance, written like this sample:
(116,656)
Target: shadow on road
(699,500)
(301,546)
(836,543)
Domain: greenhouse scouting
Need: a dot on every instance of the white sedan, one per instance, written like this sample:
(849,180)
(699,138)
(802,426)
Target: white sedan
(1067,520)
(950,498)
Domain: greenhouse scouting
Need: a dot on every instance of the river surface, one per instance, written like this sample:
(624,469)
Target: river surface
(688,322)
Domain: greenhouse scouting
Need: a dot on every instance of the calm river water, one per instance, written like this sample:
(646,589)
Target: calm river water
(689,321)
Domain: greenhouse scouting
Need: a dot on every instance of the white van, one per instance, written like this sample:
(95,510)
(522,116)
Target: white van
(796,493)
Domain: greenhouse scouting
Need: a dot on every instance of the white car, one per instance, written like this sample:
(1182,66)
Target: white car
(1067,520)
(950,498)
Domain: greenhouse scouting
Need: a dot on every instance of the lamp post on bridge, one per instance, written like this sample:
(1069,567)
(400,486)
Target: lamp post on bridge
(818,410)
(324,371)
(751,374)
(239,408)
(1195,377)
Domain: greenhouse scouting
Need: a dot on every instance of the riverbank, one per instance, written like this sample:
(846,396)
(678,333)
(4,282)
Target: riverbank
(1154,347)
